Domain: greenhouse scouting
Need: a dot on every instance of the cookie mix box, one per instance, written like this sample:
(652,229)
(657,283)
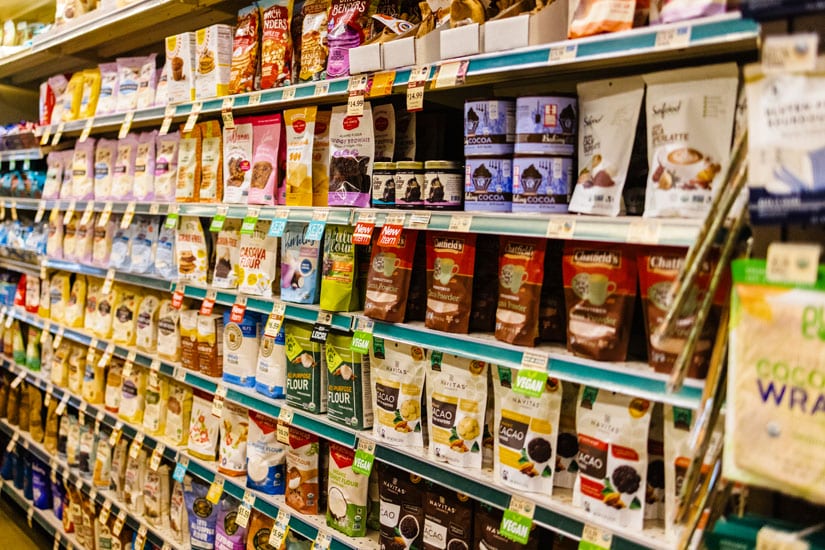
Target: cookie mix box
(180,63)
(214,61)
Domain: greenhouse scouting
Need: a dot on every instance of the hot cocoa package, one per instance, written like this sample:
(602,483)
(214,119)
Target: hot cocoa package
(402,496)
(388,280)
(612,460)
(450,262)
(448,518)
(352,148)
(521,270)
(599,290)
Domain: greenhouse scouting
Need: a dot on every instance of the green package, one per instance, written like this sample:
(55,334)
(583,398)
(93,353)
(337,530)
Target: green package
(18,345)
(33,349)
(349,401)
(340,270)
(306,377)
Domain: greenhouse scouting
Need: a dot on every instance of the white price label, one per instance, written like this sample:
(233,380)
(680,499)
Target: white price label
(87,129)
(119,521)
(643,232)
(420,220)
(790,53)
(128,215)
(58,338)
(673,37)
(58,134)
(285,415)
(322,88)
(20,377)
(534,360)
(13,442)
(88,212)
(322,541)
(67,216)
(218,401)
(594,537)
(126,125)
(567,52)
(105,511)
(137,445)
(168,114)
(288,93)
(192,119)
(254,98)
(226,113)
(157,455)
(105,215)
(61,407)
(793,262)
(460,223)
(41,211)
(561,228)
(108,281)
(155,365)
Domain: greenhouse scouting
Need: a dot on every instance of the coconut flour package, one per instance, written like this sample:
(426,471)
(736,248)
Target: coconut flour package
(450,262)
(237,161)
(612,460)
(609,111)
(388,280)
(688,142)
(300,260)
(521,272)
(600,290)
(257,261)
(588,17)
(526,429)
(346,493)
(398,372)
(350,383)
(306,377)
(352,149)
(300,134)
(266,457)
(304,472)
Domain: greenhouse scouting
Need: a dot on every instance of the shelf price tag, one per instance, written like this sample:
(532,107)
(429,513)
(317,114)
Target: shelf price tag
(518,520)
(178,295)
(254,99)
(105,511)
(9,320)
(595,538)
(41,211)
(238,309)
(250,220)
(218,401)
(279,529)
(126,220)
(114,437)
(450,74)
(219,219)
(460,223)
(140,539)
(357,88)
(14,210)
(180,374)
(154,366)
(567,52)
(108,281)
(322,541)
(126,125)
(790,53)
(58,133)
(419,220)
(315,229)
(278,224)
(120,520)
(320,330)
(87,129)
(415,87)
(362,335)
(105,215)
(382,84)
(67,216)
(284,420)
(157,455)
(13,442)
(192,119)
(208,303)
(58,338)
(167,120)
(362,234)
(172,217)
(643,232)
(793,263)
(673,37)
(61,407)
(44,138)
(180,468)
(364,457)
(561,228)
(20,377)
(137,445)
(129,364)
(275,320)
(322,88)
(288,93)
(391,232)
(532,376)
(226,113)
(215,490)
(87,213)
(245,509)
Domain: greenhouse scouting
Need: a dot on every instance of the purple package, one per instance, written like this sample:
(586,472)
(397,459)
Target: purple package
(670,11)
(144,177)
(351,148)
(124,178)
(58,494)
(228,534)
(166,167)
(41,490)
(346,30)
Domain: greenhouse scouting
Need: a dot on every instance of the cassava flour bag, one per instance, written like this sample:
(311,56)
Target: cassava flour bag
(609,111)
(457,402)
(612,460)
(526,429)
(398,372)
(690,115)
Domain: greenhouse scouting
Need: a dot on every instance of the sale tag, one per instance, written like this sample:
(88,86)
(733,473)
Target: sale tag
(208,303)
(451,73)
(126,125)
(278,223)
(67,216)
(673,37)
(532,376)
(119,521)
(275,320)
(172,217)
(364,457)
(87,129)
(238,309)
(58,133)
(415,87)
(563,53)
(178,295)
(382,84)
(105,511)
(180,468)
(105,215)
(137,445)
(88,212)
(322,88)
(595,538)
(315,229)
(215,490)
(128,215)
(362,234)
(167,120)
(226,113)
(517,520)
(288,93)
(192,119)
(250,220)
(44,138)
(357,89)
(254,98)
(157,455)
(280,529)
(219,219)
(108,281)
(218,401)
(391,232)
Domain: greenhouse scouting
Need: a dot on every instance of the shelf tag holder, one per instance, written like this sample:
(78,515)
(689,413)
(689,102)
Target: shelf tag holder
(793,263)
(238,309)
(126,125)
(14,210)
(215,490)
(208,303)
(128,215)
(362,234)
(382,84)
(362,335)
(419,220)
(245,509)
(218,401)
(357,89)
(415,87)
(315,229)
(279,529)
(87,129)
(192,119)
(58,133)
(120,520)
(105,215)
(532,376)
(518,520)
(137,445)
(322,541)
(391,232)
(250,220)
(180,468)
(154,366)
(278,223)
(320,330)
(157,455)
(254,99)
(105,511)
(673,37)
(226,113)
(451,73)
(168,114)
(460,223)
(275,320)
(322,88)
(172,217)
(219,219)
(561,228)
(61,407)
(364,457)
(595,538)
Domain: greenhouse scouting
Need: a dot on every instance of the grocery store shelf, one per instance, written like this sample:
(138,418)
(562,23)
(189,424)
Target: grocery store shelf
(146,281)
(45,517)
(21,154)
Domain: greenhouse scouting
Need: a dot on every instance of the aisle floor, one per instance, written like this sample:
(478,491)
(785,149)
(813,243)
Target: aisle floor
(15,532)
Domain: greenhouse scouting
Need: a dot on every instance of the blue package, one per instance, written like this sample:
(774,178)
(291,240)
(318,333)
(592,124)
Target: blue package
(9,466)
(120,258)
(41,487)
(300,260)
(265,456)
(21,472)
(229,535)
(58,494)
(202,514)
(270,376)
(240,342)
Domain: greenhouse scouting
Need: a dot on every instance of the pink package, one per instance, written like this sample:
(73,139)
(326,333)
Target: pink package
(144,183)
(66,186)
(83,171)
(84,239)
(124,178)
(670,11)
(56,164)
(268,136)
(105,157)
(102,243)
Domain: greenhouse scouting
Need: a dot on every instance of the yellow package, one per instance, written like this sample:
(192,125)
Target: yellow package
(72,97)
(50,436)
(147,324)
(114,386)
(24,418)
(73,315)
(44,308)
(124,323)
(90,93)
(320,159)
(300,133)
(8,342)
(13,411)
(94,378)
(36,414)
(77,368)
(154,412)
(90,317)
(59,290)
(178,414)
(133,396)
(102,472)
(60,364)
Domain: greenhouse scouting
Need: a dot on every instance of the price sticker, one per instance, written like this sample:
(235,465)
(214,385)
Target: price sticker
(382,84)
(30,517)
(238,309)
(87,129)
(595,538)
(114,437)
(673,37)
(44,138)
(192,119)
(172,217)
(451,74)
(14,210)
(315,229)
(140,539)
(362,234)
(58,133)
(105,511)
(128,215)
(218,401)
(643,232)
(178,295)
(278,223)
(362,336)
(245,509)
(13,442)
(157,455)
(532,376)
(226,113)
(796,263)
(415,87)
(137,445)
(58,338)
(47,398)
(180,468)
(108,281)
(419,220)
(567,52)
(20,377)
(129,364)
(254,99)
(119,521)
(357,89)
(215,490)
(105,215)
(288,93)
(280,529)
(364,457)
(88,212)
(517,520)
(275,320)
(154,209)
(461,223)
(78,484)
(180,374)
(391,232)
(69,214)
(250,220)
(154,366)
(126,125)
(322,88)
(219,219)
(561,228)
(208,303)
(322,541)
(41,211)
(282,433)
(790,53)
(168,114)
(92,494)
